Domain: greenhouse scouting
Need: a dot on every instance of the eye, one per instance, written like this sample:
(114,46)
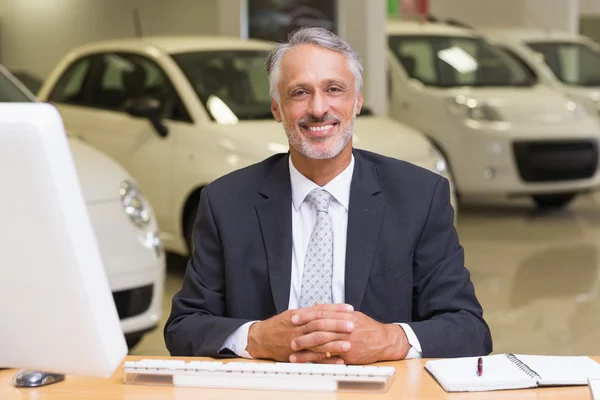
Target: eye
(299,92)
(334,89)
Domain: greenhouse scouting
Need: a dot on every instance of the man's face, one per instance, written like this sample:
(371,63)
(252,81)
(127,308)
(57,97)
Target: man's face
(318,101)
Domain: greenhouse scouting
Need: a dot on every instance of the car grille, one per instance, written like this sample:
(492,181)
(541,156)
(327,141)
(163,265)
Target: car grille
(133,302)
(552,161)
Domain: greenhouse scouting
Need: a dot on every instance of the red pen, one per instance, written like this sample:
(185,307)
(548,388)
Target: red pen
(479,366)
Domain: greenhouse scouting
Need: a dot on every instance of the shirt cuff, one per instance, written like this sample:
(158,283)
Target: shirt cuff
(415,350)
(238,341)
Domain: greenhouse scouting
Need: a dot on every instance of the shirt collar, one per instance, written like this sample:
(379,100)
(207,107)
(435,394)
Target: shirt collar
(338,187)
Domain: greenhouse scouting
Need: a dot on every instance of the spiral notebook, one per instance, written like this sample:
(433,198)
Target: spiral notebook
(510,371)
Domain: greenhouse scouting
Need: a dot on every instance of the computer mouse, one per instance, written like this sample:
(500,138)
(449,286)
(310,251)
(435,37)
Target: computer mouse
(36,378)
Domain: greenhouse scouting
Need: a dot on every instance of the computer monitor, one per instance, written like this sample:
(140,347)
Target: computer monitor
(57,313)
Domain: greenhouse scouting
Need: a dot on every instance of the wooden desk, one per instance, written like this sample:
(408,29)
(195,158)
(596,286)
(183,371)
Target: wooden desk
(412,382)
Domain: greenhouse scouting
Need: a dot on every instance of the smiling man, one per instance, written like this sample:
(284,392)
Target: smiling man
(328,253)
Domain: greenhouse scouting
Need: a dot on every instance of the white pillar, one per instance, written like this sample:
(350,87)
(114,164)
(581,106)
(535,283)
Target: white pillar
(479,13)
(545,14)
(362,24)
(233,18)
(562,16)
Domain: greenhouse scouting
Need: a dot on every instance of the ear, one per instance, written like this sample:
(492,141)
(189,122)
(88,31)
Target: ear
(276,111)
(359,103)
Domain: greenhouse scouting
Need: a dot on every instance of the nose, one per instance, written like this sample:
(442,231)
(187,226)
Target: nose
(318,105)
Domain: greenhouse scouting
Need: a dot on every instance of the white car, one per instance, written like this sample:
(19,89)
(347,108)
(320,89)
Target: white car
(180,112)
(125,228)
(567,61)
(503,133)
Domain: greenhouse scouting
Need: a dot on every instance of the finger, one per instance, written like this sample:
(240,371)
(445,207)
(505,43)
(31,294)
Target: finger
(328,325)
(339,307)
(307,356)
(320,352)
(320,308)
(304,316)
(332,360)
(314,339)
(333,347)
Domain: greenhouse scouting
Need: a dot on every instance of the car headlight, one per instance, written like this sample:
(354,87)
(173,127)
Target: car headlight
(135,205)
(441,166)
(473,109)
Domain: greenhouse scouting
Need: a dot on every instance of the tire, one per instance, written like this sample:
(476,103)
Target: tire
(551,201)
(133,339)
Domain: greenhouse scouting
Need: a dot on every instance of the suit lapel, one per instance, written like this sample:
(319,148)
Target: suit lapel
(364,222)
(275,218)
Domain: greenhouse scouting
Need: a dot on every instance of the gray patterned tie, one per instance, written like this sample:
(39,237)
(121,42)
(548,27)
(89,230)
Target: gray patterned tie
(318,264)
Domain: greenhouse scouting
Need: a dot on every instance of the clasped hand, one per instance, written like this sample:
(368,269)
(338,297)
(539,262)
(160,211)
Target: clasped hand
(326,333)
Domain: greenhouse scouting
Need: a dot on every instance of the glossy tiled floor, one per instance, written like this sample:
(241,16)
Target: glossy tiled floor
(536,274)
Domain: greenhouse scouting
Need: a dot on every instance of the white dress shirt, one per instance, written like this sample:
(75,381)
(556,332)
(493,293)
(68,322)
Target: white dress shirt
(304,216)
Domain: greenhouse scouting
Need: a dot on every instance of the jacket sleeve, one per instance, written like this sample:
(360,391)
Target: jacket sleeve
(447,317)
(198,325)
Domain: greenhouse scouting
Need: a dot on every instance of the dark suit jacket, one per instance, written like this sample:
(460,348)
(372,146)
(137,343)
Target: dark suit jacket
(404,262)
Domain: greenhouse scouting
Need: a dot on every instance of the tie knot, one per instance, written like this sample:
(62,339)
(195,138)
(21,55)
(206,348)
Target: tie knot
(319,199)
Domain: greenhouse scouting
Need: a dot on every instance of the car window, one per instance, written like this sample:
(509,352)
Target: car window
(418,60)
(518,59)
(122,77)
(572,63)
(70,87)
(10,92)
(451,61)
(31,82)
(232,85)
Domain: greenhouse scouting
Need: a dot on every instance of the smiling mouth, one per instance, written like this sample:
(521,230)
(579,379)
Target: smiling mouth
(319,130)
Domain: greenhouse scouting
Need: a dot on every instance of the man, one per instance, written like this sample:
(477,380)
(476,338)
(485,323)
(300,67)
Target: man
(328,254)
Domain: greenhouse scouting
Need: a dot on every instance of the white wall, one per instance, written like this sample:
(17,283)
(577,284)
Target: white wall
(35,34)
(173,17)
(589,7)
(547,14)
(479,12)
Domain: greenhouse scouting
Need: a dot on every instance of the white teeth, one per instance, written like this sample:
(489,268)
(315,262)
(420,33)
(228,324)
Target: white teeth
(320,128)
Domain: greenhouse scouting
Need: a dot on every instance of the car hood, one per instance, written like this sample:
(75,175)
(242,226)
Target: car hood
(378,134)
(99,175)
(538,104)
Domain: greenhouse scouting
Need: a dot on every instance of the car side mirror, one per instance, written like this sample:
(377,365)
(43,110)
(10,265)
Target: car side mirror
(150,108)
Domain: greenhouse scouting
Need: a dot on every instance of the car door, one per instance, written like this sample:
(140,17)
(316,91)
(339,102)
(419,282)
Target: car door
(91,96)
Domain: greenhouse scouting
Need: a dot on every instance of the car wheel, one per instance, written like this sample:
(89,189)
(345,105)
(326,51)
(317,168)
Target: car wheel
(559,200)
(133,339)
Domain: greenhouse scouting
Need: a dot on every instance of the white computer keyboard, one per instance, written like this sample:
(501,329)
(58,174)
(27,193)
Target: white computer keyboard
(265,376)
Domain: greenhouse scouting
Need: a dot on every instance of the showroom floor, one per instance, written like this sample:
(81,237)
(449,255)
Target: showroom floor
(536,274)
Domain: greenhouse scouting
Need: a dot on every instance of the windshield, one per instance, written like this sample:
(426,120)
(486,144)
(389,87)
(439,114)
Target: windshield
(231,84)
(572,63)
(10,93)
(446,61)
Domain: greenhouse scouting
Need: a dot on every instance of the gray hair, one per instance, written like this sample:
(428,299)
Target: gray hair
(317,36)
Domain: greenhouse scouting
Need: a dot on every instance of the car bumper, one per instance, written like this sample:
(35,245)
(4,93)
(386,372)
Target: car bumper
(135,265)
(525,161)
(140,307)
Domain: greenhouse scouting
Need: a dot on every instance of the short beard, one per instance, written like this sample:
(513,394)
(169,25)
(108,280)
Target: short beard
(316,148)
